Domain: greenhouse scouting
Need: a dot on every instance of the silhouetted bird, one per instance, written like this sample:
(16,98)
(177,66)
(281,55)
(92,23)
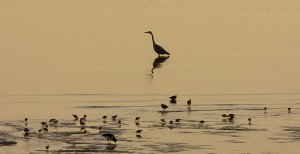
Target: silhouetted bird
(173,97)
(40,130)
(114,117)
(47,147)
(75,117)
(177,120)
(119,121)
(109,138)
(138,131)
(163,120)
(202,122)
(189,102)
(249,120)
(51,121)
(55,122)
(104,117)
(163,106)
(137,118)
(26,130)
(224,115)
(231,117)
(45,129)
(158,49)
(44,123)
(289,110)
(26,119)
(265,108)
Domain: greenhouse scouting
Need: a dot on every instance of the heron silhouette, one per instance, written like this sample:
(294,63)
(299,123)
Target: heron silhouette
(158,49)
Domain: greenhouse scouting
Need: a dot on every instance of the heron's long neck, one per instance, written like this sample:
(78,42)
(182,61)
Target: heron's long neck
(153,39)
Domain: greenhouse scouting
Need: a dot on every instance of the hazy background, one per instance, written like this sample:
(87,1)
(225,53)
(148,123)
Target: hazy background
(99,46)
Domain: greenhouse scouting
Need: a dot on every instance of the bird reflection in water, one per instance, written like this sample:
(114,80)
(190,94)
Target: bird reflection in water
(111,147)
(157,63)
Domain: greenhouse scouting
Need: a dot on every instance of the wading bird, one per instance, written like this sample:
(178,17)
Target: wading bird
(109,138)
(158,49)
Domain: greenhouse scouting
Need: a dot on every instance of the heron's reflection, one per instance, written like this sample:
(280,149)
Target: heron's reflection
(157,63)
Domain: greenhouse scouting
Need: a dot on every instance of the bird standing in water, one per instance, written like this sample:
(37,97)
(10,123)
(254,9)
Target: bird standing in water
(189,102)
(164,107)
(158,49)
(110,137)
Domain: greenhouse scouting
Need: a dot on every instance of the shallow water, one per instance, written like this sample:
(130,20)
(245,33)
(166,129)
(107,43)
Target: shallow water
(62,57)
(275,131)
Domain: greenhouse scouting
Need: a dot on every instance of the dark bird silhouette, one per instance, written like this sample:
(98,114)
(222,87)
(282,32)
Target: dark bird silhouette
(164,107)
(249,120)
(114,117)
(189,102)
(177,120)
(224,115)
(119,121)
(289,110)
(163,120)
(51,121)
(44,123)
(75,117)
(202,122)
(173,97)
(138,131)
(265,108)
(137,118)
(26,119)
(104,117)
(47,147)
(109,138)
(158,49)
(26,130)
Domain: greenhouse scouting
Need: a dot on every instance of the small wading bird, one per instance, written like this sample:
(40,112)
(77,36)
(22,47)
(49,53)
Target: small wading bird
(189,102)
(158,49)
(75,117)
(289,110)
(164,107)
(109,138)
(47,147)
(249,120)
(202,122)
(173,97)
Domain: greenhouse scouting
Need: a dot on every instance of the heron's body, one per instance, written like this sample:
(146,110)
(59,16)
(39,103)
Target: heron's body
(158,49)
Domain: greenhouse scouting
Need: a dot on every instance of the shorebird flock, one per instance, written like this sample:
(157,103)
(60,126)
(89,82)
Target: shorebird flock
(110,137)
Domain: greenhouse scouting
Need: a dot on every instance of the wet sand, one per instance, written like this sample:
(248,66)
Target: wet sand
(275,131)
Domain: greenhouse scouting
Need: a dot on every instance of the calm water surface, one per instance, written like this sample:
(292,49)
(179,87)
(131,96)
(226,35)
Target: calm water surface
(61,57)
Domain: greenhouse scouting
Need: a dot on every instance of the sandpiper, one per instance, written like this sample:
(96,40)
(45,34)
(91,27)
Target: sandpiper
(201,122)
(138,131)
(26,130)
(75,117)
(164,107)
(114,117)
(177,120)
(249,120)
(224,115)
(173,97)
(189,102)
(109,138)
(265,108)
(51,121)
(289,110)
(47,147)
(119,121)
